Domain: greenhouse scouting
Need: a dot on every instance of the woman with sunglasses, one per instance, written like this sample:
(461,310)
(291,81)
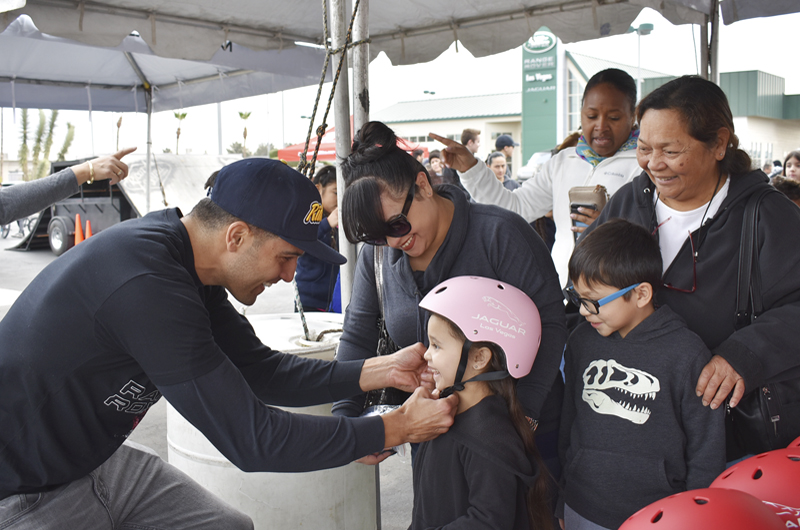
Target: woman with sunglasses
(692,194)
(426,235)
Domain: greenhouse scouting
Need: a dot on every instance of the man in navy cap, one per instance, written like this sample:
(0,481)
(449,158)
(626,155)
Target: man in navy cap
(505,144)
(140,311)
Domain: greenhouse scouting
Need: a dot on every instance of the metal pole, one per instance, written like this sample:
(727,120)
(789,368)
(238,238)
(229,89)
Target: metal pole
(704,49)
(638,65)
(715,42)
(341,111)
(149,98)
(219,127)
(361,67)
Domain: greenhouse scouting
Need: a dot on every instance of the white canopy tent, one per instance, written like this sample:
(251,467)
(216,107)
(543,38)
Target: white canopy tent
(38,70)
(408,31)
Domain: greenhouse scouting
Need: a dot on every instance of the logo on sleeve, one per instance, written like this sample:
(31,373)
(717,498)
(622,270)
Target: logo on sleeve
(314,215)
(131,398)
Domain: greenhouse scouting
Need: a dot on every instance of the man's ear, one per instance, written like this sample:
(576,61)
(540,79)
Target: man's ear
(237,236)
(644,294)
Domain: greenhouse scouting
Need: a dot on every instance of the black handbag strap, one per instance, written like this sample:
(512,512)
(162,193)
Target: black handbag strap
(748,294)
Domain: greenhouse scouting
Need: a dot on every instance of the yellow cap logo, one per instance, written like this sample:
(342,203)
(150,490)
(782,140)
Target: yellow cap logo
(314,215)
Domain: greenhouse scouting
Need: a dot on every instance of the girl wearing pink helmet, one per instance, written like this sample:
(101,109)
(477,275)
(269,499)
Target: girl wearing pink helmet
(485,471)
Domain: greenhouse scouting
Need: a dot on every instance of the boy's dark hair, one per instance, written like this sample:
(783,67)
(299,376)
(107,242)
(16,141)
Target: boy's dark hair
(617,253)
(325,176)
(417,153)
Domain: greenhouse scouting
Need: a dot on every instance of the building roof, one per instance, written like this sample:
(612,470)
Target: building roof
(488,106)
(591,65)
(492,105)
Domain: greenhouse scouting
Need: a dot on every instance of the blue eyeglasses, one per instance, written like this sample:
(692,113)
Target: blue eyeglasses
(593,306)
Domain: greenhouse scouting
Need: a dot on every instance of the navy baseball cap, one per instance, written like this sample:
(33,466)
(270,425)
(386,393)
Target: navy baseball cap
(504,140)
(274,197)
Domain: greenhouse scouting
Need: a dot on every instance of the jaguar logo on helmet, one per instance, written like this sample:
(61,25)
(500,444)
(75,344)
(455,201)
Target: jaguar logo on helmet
(314,215)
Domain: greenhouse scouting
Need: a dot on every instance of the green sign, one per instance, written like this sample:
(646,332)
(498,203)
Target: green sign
(539,72)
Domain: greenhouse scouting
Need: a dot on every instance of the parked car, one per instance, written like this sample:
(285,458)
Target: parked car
(534,163)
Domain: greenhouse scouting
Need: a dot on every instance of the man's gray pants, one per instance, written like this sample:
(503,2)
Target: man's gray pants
(133,490)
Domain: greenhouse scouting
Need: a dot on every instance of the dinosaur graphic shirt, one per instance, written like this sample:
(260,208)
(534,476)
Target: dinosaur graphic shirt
(632,429)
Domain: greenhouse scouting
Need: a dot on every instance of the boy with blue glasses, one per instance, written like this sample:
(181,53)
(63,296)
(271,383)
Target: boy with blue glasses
(632,429)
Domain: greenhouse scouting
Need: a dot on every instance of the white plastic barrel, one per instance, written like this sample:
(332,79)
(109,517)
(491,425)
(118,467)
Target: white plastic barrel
(334,499)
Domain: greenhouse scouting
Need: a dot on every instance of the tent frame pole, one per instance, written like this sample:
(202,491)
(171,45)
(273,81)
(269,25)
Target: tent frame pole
(341,112)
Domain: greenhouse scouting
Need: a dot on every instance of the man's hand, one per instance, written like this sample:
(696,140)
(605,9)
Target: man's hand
(403,369)
(419,419)
(455,155)
(377,458)
(717,380)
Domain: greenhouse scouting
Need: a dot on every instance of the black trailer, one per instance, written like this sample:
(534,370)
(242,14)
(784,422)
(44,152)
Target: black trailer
(102,203)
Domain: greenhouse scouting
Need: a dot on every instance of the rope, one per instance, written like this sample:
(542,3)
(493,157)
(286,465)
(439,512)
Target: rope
(305,167)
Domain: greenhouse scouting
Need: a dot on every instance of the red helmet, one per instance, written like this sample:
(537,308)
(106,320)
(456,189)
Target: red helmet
(794,444)
(705,509)
(772,477)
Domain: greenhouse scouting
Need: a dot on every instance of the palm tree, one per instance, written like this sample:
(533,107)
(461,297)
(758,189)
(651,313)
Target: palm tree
(181,116)
(244,116)
(119,124)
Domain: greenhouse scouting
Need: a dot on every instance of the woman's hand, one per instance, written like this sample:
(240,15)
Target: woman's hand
(586,216)
(455,155)
(717,380)
(104,168)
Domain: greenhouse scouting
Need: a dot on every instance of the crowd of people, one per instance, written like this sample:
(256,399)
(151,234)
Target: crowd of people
(457,300)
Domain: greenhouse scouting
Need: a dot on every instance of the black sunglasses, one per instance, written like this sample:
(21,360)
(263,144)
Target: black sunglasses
(397,226)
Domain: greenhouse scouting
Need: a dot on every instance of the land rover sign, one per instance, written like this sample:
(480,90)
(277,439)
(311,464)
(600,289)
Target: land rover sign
(541,42)
(539,95)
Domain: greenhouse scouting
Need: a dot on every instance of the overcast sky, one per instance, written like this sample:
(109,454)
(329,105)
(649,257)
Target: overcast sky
(768,44)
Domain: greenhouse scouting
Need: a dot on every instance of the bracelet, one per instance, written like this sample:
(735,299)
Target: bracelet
(91,174)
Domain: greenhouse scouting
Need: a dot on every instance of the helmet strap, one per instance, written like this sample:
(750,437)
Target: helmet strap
(458,385)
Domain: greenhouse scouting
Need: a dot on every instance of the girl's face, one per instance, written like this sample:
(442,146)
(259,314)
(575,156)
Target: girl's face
(793,169)
(421,217)
(444,352)
(329,197)
(436,165)
(606,119)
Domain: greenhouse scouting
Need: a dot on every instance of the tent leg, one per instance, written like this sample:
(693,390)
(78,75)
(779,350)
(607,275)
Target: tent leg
(704,51)
(149,147)
(341,112)
(714,58)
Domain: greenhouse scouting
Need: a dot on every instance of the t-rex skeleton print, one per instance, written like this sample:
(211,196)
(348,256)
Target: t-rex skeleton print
(611,388)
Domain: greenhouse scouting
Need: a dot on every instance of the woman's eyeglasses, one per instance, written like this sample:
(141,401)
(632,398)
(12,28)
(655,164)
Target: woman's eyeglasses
(397,226)
(593,306)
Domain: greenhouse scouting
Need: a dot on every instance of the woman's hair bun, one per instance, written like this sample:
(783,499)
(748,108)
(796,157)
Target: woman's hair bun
(371,142)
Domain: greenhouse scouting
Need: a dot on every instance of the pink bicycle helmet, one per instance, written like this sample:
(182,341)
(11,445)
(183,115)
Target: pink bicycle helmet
(770,477)
(705,509)
(487,310)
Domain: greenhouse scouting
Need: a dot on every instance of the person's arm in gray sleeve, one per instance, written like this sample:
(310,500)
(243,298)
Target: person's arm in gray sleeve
(24,199)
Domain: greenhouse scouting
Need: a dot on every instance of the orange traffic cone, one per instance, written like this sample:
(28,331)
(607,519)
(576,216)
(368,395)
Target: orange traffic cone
(88,229)
(78,229)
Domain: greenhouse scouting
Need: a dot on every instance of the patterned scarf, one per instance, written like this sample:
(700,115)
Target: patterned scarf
(588,154)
